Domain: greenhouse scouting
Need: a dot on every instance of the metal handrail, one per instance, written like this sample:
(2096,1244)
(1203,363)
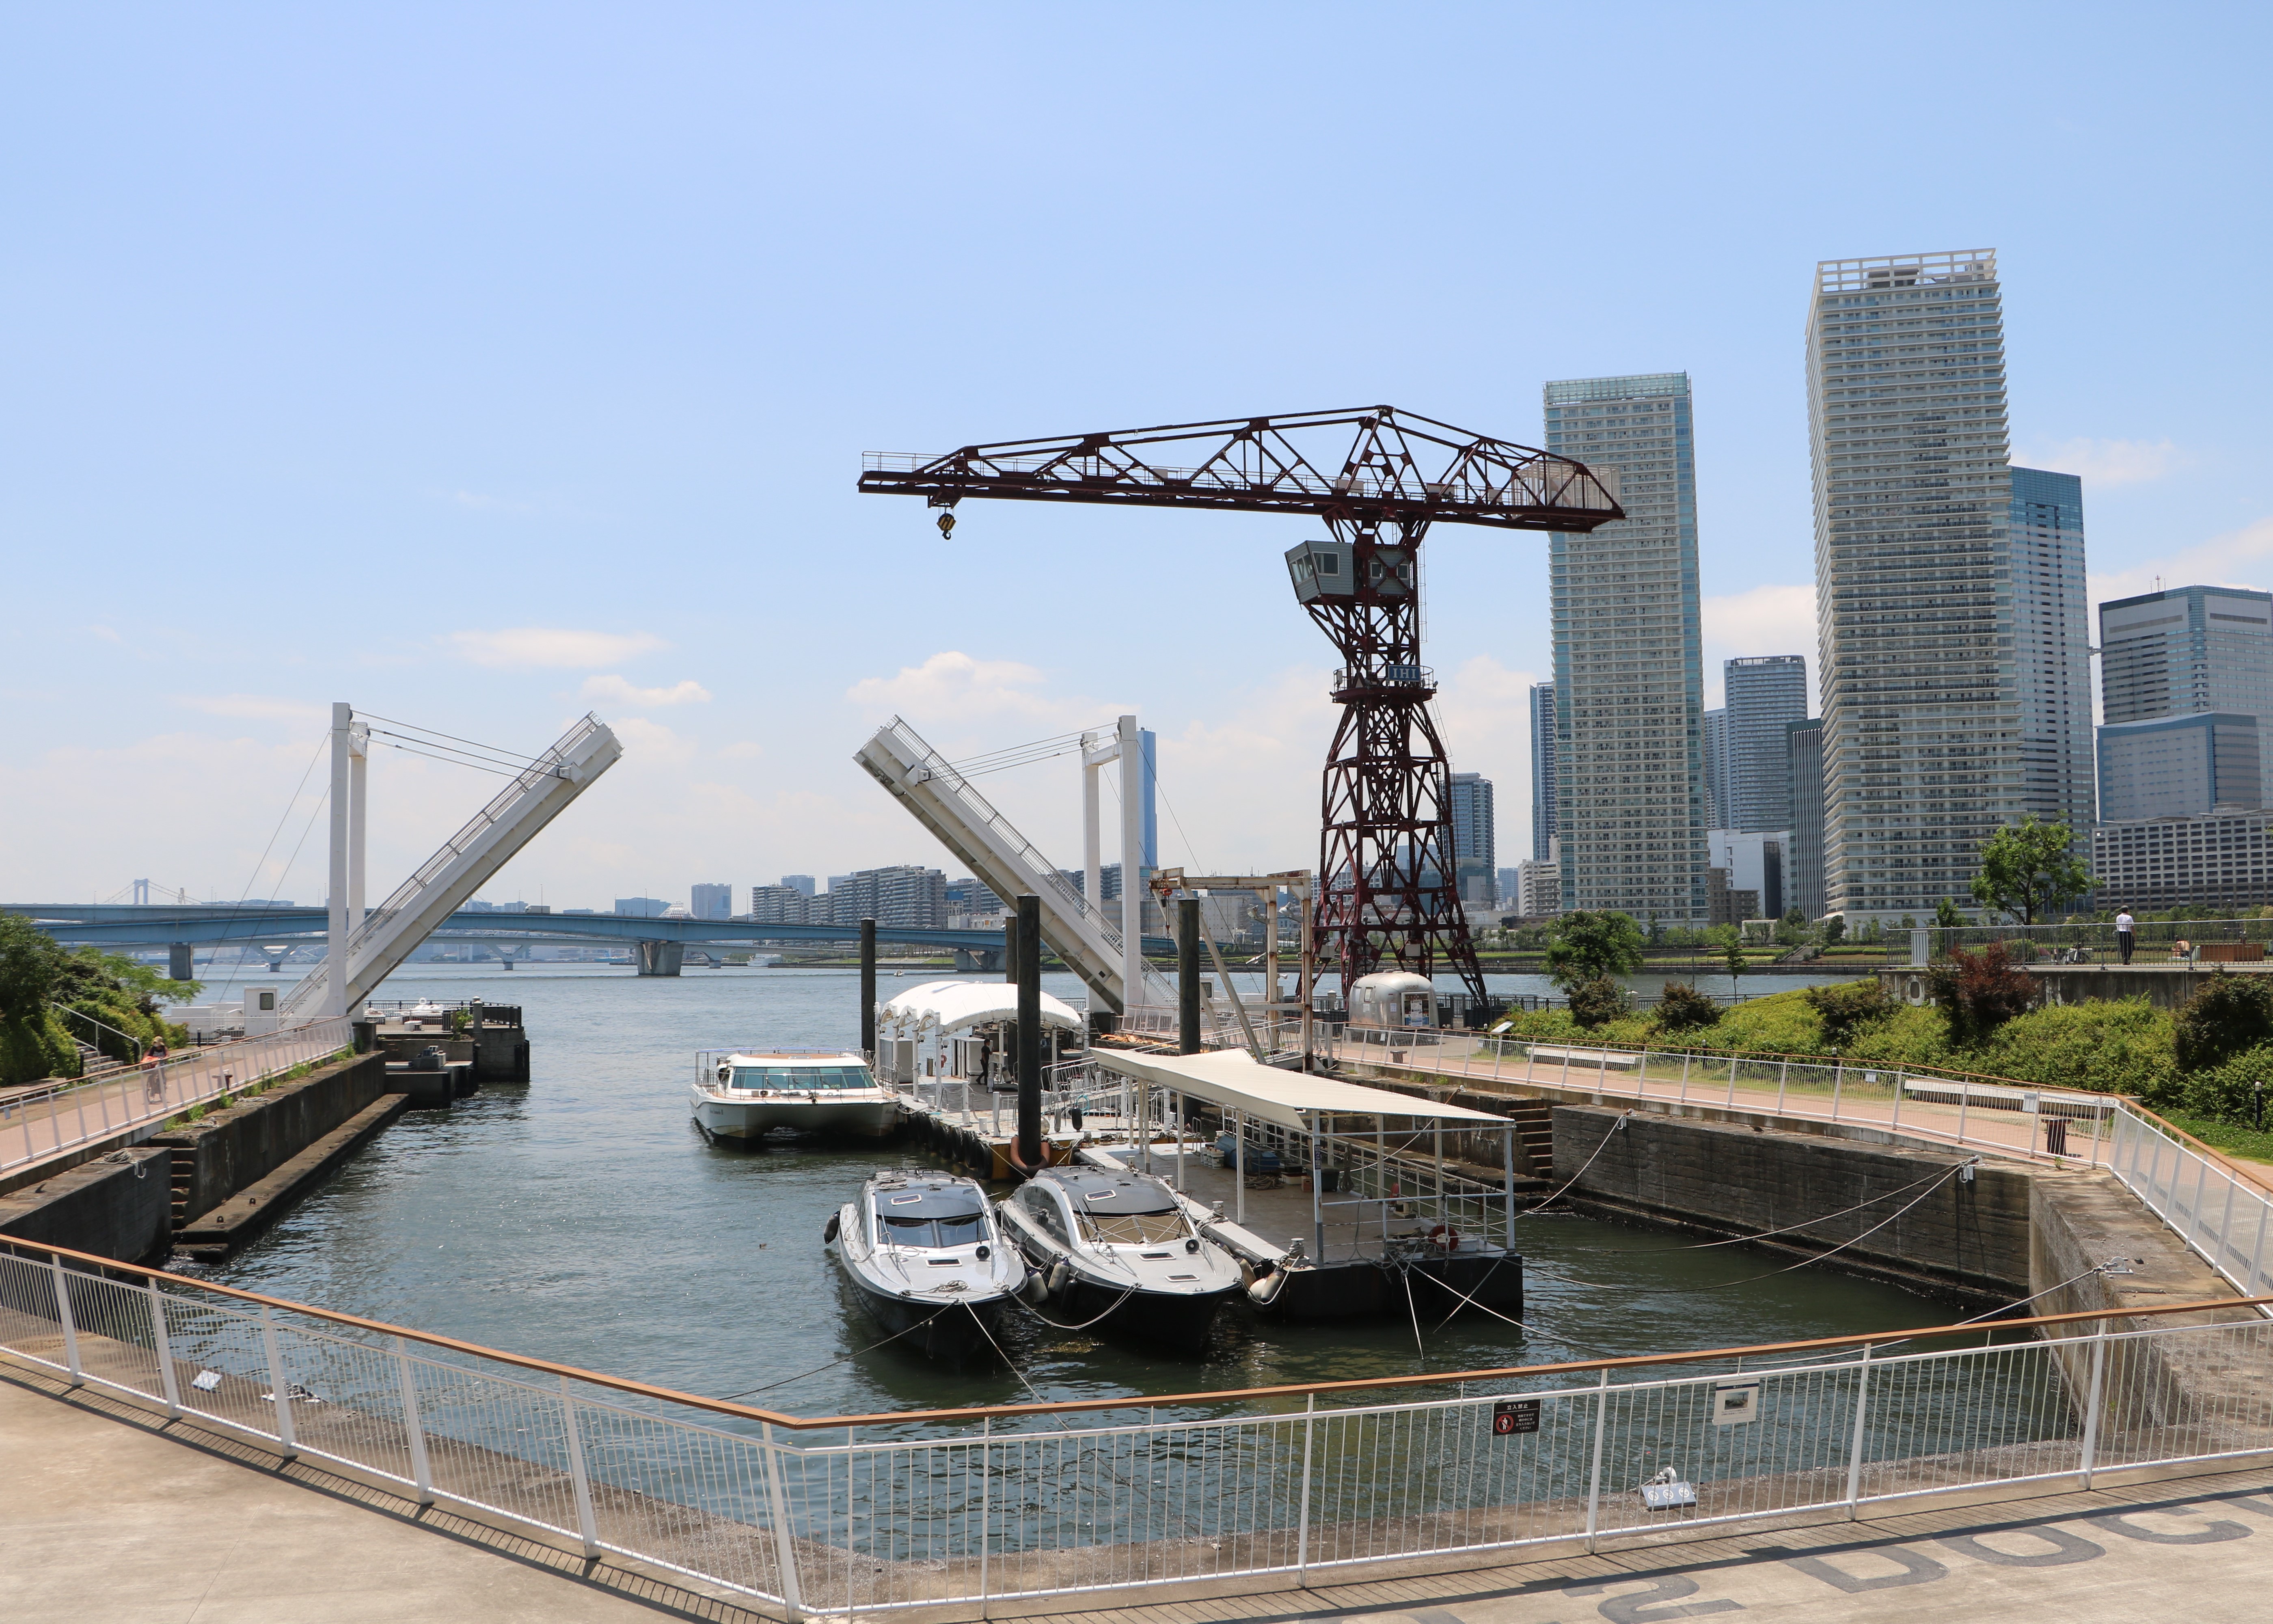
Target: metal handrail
(975,1412)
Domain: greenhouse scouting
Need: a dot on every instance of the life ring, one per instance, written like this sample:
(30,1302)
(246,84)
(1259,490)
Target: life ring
(1444,1237)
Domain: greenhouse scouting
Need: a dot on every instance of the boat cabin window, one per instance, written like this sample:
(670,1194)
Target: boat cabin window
(962,1231)
(802,1080)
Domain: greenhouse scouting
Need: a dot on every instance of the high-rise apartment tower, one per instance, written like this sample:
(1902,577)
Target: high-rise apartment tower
(1765,694)
(1925,717)
(1803,743)
(1629,665)
(1543,769)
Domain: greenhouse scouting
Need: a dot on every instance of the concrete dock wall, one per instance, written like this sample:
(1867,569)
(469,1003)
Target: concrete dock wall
(1971,1238)
(120,1207)
(234,1148)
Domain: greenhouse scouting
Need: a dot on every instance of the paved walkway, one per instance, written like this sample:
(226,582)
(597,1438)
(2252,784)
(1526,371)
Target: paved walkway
(108,1512)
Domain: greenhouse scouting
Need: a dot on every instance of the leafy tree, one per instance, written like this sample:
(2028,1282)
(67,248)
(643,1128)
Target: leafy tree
(1681,1007)
(1834,929)
(1731,941)
(1945,915)
(1979,991)
(2029,869)
(31,961)
(1845,1010)
(2229,1015)
(1596,999)
(1793,916)
(1588,946)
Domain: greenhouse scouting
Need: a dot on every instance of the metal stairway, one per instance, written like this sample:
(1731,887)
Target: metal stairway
(1004,861)
(386,936)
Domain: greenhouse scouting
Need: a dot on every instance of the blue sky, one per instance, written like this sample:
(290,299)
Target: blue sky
(479,364)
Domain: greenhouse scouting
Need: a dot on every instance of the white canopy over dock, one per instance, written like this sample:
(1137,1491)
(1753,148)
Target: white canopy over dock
(945,1008)
(1231,1079)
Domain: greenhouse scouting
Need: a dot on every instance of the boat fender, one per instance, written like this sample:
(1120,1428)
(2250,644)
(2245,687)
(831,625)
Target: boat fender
(1264,1292)
(829,1230)
(1033,1291)
(1057,1278)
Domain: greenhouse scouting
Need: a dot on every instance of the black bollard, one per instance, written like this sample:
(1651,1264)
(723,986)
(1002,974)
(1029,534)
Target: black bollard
(1030,1031)
(868,991)
(1188,976)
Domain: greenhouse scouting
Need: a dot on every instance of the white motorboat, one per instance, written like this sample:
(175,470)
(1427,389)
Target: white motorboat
(746,1094)
(929,1265)
(1116,1249)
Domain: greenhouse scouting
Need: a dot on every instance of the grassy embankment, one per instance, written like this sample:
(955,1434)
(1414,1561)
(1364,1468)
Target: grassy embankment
(2121,1047)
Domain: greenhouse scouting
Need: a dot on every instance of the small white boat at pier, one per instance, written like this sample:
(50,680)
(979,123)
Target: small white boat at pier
(745,1094)
(930,1267)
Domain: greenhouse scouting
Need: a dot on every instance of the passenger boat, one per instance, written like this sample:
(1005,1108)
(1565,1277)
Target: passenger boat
(744,1095)
(1115,1249)
(930,1267)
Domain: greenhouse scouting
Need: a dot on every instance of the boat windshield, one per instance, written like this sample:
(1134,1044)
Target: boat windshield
(1132,1228)
(961,1229)
(802,1080)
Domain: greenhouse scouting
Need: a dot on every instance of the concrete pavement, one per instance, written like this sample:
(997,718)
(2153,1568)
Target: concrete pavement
(106,1511)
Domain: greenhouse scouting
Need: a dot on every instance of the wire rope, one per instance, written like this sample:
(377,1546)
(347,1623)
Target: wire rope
(833,1363)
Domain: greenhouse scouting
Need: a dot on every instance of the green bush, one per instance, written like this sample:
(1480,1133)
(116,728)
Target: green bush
(1682,1008)
(2225,1092)
(2229,1015)
(1846,1009)
(1595,1001)
(31,1050)
(2120,1047)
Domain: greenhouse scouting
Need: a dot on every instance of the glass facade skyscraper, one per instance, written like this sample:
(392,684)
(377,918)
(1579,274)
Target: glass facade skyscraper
(2052,647)
(1543,769)
(2188,650)
(1914,609)
(1474,853)
(1629,663)
(1765,693)
(1716,769)
(1803,744)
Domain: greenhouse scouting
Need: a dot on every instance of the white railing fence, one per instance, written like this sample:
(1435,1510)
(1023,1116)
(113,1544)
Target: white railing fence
(889,1511)
(47,1122)
(2225,1219)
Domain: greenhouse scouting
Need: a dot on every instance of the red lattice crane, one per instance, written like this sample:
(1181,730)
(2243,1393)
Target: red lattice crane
(1388,888)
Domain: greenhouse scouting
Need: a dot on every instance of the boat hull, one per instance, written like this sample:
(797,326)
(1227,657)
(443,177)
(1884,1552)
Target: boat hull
(1180,1321)
(955,1331)
(755,1119)
(1371,1288)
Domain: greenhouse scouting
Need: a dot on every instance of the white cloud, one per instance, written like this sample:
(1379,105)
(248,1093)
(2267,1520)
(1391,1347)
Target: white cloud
(256,707)
(687,692)
(651,743)
(951,687)
(2239,558)
(1776,618)
(2106,463)
(551,645)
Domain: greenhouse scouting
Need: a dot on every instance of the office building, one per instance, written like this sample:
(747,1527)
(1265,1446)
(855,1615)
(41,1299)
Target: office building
(1629,669)
(1716,769)
(1754,860)
(1725,904)
(1923,731)
(1510,885)
(2052,648)
(1803,776)
(2217,860)
(642,907)
(902,895)
(1764,695)
(1543,769)
(801,884)
(1539,885)
(1475,861)
(2189,650)
(2178,766)
(968,896)
(778,905)
(713,902)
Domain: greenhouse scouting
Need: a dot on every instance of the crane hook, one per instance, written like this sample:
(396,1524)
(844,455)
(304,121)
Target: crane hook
(946,525)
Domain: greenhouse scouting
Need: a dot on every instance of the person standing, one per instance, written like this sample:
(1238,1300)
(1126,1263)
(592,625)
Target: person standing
(2123,926)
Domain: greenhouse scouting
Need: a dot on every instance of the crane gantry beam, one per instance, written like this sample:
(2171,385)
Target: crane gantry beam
(1388,885)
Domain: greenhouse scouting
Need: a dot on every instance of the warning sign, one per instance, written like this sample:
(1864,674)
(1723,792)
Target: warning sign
(1511,1416)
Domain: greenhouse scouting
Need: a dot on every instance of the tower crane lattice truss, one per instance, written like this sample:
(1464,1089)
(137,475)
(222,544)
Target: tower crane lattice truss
(1389,888)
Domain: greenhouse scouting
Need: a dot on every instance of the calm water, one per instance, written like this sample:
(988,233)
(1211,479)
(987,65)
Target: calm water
(582,1218)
